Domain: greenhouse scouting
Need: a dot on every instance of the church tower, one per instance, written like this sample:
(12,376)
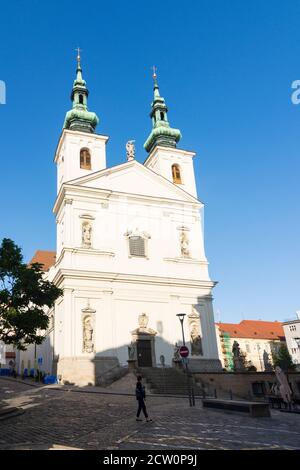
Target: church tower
(80,150)
(163,156)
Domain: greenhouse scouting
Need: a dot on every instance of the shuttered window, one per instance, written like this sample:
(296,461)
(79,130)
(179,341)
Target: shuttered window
(137,246)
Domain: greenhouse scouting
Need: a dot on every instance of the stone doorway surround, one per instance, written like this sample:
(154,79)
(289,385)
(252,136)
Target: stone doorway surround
(143,333)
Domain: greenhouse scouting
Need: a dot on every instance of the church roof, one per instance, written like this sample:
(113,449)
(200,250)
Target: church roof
(46,258)
(254,329)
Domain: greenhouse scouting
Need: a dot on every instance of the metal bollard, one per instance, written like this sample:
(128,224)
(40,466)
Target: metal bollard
(193,396)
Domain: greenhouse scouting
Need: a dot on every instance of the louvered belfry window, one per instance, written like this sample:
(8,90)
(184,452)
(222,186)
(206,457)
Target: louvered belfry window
(137,246)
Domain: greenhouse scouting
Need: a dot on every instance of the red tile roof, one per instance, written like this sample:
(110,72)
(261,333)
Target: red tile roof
(253,329)
(46,258)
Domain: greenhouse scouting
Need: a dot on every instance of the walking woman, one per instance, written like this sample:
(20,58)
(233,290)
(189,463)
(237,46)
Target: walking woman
(141,396)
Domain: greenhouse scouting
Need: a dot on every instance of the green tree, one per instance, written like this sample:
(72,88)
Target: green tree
(283,359)
(24,294)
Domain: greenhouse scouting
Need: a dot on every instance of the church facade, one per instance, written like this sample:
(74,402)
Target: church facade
(130,253)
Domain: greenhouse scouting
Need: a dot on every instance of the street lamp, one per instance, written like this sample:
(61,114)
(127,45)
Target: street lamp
(190,391)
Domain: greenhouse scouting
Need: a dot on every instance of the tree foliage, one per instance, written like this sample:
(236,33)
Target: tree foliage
(283,359)
(24,294)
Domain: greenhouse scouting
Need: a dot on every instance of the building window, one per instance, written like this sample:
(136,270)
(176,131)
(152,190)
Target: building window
(85,159)
(247,347)
(80,99)
(162,117)
(137,246)
(176,174)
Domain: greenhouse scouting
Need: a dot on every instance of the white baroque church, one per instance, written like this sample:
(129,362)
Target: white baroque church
(130,253)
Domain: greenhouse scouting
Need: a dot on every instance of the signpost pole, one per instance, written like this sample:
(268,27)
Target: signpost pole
(184,352)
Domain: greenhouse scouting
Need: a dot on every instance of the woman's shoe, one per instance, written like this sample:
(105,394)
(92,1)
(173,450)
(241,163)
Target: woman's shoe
(139,419)
(148,420)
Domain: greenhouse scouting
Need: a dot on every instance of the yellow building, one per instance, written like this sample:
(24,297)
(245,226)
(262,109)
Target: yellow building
(257,340)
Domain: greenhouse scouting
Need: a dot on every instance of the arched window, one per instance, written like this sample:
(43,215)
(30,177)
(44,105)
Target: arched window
(162,117)
(137,246)
(176,174)
(85,159)
(80,99)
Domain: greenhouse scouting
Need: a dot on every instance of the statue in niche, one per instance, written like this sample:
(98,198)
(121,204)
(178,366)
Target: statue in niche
(184,244)
(131,351)
(86,234)
(88,331)
(196,342)
(130,150)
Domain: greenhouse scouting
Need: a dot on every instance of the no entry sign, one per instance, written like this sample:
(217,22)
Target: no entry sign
(184,351)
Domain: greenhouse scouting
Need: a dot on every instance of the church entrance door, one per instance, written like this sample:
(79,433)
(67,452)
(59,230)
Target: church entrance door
(144,353)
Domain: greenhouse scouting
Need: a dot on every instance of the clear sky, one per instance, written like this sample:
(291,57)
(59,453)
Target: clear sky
(225,69)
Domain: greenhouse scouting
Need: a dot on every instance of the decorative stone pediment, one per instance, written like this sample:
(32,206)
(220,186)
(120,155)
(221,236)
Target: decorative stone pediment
(143,329)
(134,178)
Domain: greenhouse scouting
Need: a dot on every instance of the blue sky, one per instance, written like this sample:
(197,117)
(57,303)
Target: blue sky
(225,70)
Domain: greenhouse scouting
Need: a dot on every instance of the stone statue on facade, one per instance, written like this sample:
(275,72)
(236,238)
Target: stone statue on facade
(130,150)
(184,244)
(143,321)
(86,234)
(196,342)
(88,331)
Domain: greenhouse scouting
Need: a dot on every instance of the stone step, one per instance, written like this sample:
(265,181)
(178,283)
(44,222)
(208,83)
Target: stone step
(10,412)
(168,381)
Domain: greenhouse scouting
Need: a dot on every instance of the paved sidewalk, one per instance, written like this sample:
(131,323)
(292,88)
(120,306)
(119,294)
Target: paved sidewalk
(62,420)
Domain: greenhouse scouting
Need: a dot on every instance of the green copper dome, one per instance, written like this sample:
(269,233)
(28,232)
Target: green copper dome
(162,134)
(79,118)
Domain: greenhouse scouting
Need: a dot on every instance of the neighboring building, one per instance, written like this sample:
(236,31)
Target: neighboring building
(8,355)
(257,340)
(292,334)
(130,253)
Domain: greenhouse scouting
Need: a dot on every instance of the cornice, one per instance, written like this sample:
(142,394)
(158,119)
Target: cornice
(62,274)
(84,251)
(68,190)
(186,261)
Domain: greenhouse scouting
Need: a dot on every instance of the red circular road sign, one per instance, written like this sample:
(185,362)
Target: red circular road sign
(184,351)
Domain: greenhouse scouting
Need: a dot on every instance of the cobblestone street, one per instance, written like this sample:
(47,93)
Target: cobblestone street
(73,419)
